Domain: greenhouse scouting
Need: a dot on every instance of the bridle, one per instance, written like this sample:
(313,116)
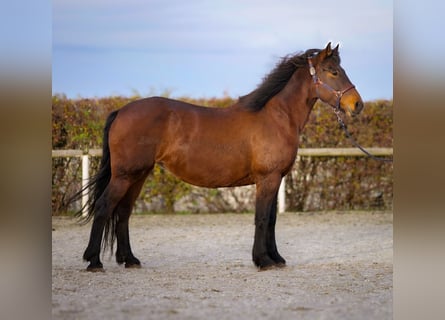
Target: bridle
(336,108)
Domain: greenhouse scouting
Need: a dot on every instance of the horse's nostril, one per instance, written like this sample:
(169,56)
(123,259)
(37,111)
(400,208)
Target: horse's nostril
(358,107)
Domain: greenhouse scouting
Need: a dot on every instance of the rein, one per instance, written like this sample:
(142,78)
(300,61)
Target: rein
(336,108)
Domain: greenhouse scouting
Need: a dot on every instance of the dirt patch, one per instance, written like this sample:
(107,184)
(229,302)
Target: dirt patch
(339,266)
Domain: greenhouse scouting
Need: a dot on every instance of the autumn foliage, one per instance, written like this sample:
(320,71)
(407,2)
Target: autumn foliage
(314,184)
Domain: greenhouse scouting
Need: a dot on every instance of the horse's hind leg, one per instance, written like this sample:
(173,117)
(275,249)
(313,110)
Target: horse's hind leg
(123,210)
(105,205)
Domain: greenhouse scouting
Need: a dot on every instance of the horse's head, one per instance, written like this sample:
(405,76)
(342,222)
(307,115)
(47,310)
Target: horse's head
(331,84)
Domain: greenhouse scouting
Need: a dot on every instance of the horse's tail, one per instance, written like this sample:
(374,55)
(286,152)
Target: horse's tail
(97,184)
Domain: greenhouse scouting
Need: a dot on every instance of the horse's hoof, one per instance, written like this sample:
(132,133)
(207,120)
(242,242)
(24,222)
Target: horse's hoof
(278,259)
(132,262)
(264,263)
(271,267)
(95,269)
(132,266)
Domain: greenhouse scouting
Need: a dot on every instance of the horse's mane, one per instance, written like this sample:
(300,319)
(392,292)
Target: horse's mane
(275,81)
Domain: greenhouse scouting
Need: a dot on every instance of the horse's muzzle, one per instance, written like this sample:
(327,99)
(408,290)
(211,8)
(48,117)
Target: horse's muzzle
(358,107)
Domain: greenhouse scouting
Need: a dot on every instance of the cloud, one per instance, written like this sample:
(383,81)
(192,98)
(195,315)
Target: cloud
(218,32)
(179,25)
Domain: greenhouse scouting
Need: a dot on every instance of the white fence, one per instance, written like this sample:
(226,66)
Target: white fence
(304,152)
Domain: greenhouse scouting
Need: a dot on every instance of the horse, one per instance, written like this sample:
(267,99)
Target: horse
(254,141)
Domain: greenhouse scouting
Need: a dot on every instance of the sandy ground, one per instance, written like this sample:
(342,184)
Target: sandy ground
(339,266)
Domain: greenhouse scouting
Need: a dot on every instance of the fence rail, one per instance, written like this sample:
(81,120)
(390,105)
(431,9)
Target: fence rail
(76,153)
(303,152)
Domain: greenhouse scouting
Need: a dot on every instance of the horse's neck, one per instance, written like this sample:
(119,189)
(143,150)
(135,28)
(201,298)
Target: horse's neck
(296,100)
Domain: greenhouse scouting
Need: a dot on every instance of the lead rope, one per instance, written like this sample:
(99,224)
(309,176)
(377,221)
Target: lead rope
(355,143)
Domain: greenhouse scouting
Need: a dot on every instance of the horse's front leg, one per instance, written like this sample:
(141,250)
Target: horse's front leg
(271,242)
(264,248)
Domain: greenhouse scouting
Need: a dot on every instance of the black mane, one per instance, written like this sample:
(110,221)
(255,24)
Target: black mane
(275,81)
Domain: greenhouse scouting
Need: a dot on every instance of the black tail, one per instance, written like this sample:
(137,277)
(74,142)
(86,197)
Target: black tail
(98,182)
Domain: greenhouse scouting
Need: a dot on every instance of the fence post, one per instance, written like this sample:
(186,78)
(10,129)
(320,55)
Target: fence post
(282,196)
(85,179)
(282,190)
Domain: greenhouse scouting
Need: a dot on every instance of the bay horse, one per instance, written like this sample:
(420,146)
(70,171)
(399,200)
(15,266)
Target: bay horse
(254,141)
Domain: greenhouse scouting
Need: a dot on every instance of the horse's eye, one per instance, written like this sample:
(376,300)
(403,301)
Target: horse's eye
(332,71)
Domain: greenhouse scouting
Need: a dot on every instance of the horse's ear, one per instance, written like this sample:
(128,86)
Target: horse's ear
(335,50)
(328,50)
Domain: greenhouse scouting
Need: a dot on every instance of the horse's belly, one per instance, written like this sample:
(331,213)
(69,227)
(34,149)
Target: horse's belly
(209,172)
(213,182)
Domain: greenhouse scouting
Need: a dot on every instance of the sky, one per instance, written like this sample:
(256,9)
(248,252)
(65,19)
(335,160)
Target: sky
(200,48)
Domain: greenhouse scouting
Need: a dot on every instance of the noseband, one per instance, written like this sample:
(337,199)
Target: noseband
(338,93)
